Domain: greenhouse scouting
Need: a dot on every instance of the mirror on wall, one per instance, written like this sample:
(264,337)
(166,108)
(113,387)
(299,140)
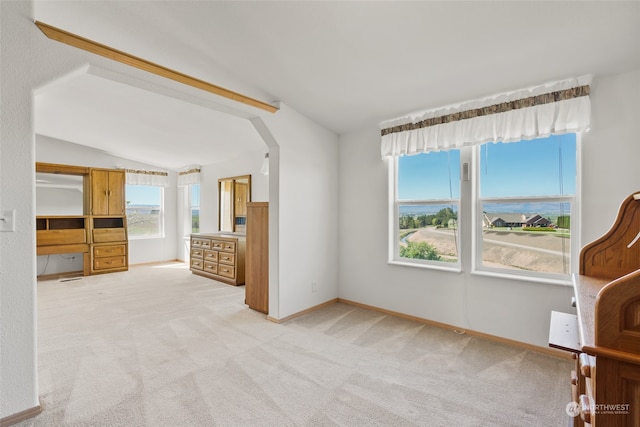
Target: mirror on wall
(60,190)
(233,195)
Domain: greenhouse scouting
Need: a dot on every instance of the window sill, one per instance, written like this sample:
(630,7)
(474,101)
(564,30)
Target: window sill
(522,278)
(145,237)
(452,269)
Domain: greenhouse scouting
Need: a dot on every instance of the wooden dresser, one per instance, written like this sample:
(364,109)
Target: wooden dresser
(219,256)
(604,335)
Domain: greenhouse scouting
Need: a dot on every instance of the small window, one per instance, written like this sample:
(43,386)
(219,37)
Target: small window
(526,208)
(426,209)
(144,211)
(194,201)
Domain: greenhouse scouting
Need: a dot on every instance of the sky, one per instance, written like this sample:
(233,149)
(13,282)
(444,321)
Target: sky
(525,168)
(149,195)
(143,195)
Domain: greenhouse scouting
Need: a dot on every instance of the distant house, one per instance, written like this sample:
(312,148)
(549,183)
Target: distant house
(519,220)
(508,220)
(537,221)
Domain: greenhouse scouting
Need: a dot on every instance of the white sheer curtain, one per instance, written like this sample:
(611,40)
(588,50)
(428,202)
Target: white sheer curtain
(553,108)
(189,176)
(144,177)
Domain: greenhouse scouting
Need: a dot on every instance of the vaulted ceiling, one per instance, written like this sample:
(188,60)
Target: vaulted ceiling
(345,64)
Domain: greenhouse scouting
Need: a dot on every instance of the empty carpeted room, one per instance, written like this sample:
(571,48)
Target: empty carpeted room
(308,213)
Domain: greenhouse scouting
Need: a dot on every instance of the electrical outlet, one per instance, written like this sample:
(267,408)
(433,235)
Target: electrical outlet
(314,286)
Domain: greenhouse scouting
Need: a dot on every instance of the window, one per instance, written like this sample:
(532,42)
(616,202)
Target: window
(426,209)
(194,207)
(526,206)
(522,197)
(517,207)
(144,211)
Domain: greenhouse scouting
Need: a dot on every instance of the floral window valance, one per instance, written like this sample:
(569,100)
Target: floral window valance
(145,177)
(189,176)
(549,109)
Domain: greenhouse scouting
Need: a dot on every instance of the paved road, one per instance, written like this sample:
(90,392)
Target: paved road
(532,248)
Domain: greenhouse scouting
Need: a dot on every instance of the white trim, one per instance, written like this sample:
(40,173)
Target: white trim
(442,266)
(477,267)
(523,278)
(394,232)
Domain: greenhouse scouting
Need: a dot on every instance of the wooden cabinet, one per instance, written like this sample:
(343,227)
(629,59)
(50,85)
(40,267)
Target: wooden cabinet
(219,256)
(107,192)
(257,283)
(101,233)
(60,231)
(604,334)
(109,250)
(63,235)
(240,195)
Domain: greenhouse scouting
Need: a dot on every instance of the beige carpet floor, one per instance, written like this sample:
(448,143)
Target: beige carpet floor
(158,346)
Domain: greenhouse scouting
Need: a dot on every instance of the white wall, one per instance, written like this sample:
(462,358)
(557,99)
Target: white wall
(18,373)
(610,151)
(508,308)
(304,167)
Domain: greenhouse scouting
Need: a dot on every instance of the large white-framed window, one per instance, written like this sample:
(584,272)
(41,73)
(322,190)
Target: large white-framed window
(523,198)
(145,211)
(526,210)
(519,187)
(424,229)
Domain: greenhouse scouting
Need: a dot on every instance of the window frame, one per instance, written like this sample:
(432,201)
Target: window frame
(477,240)
(394,230)
(161,214)
(190,208)
(470,225)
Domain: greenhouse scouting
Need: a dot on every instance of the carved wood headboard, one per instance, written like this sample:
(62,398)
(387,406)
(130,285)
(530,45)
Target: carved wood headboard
(617,253)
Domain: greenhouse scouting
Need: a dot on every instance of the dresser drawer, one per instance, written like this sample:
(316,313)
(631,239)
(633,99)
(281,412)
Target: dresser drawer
(60,237)
(196,263)
(217,245)
(101,235)
(200,243)
(225,258)
(109,251)
(108,262)
(229,246)
(211,267)
(197,253)
(210,255)
(226,271)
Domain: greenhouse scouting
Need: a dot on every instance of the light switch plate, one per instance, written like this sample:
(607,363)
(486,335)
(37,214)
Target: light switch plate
(8,220)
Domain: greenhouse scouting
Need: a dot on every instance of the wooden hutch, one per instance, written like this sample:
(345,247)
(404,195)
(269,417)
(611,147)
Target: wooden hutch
(604,335)
(101,233)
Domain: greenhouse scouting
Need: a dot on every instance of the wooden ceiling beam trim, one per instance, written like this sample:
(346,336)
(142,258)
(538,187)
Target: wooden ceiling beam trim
(142,64)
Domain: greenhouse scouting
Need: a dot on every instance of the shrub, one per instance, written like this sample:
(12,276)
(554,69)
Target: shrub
(419,250)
